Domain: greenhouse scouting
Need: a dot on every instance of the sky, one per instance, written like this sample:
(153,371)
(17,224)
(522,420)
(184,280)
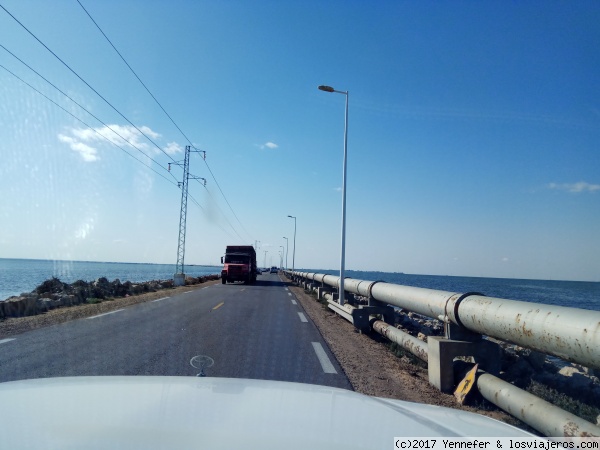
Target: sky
(473,133)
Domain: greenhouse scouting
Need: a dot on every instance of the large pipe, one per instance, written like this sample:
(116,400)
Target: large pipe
(410,343)
(549,329)
(569,333)
(539,414)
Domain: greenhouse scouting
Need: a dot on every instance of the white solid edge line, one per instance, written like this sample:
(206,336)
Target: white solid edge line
(4,341)
(187,292)
(294,302)
(323,358)
(159,299)
(105,314)
(302,317)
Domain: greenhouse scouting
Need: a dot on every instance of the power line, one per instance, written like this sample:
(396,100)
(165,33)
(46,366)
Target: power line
(133,71)
(78,104)
(217,183)
(167,114)
(108,140)
(86,83)
(84,123)
(234,230)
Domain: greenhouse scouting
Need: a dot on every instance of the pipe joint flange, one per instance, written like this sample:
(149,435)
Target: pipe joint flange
(456,304)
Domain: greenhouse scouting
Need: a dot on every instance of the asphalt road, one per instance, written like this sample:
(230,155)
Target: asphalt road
(250,331)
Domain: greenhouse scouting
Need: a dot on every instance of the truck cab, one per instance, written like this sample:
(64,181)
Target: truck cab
(239,264)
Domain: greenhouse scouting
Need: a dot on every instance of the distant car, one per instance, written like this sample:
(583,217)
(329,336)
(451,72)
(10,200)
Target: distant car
(273,269)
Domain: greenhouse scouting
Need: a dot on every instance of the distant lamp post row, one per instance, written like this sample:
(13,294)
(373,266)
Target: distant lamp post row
(342,293)
(287,251)
(294,252)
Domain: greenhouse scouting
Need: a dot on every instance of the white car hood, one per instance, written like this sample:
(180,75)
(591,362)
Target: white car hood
(215,413)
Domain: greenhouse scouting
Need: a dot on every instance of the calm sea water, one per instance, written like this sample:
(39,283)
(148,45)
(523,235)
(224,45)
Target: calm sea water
(576,294)
(24,275)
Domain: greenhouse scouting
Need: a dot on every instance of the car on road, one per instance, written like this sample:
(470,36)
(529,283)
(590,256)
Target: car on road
(274,269)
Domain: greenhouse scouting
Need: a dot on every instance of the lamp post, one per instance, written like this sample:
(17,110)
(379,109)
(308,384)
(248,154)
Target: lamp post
(342,293)
(294,253)
(287,251)
(282,252)
(265,261)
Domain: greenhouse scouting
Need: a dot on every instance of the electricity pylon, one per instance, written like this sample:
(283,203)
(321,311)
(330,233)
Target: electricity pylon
(179,276)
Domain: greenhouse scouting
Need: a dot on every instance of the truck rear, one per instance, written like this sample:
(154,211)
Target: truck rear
(239,264)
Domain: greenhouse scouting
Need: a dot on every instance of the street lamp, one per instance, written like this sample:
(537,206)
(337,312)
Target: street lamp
(287,251)
(282,252)
(342,292)
(294,253)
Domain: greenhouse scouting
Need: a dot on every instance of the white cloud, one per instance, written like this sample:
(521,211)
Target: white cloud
(89,154)
(575,188)
(121,135)
(172,148)
(271,145)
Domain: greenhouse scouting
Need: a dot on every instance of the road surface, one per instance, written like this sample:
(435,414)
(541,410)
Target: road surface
(250,331)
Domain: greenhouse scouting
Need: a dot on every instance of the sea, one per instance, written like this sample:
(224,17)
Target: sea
(24,275)
(575,294)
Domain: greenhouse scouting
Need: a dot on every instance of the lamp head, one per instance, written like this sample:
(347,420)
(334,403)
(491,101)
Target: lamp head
(326,88)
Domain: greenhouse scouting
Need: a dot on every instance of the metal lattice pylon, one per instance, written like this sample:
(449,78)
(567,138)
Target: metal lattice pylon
(183,212)
(179,277)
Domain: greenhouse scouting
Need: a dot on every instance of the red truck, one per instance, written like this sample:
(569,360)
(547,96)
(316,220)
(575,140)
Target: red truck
(239,264)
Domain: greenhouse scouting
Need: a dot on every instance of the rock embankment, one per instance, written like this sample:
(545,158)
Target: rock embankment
(53,293)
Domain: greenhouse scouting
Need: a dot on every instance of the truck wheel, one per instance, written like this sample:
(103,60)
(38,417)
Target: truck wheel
(223,281)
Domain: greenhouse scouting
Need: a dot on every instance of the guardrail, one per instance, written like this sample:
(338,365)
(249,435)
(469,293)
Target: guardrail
(571,334)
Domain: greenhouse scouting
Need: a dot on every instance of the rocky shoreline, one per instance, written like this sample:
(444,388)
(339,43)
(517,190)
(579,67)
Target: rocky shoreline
(53,293)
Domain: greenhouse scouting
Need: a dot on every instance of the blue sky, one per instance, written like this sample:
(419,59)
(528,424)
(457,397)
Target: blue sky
(473,142)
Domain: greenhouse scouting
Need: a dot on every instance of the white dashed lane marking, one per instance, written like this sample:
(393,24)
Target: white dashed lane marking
(323,358)
(302,317)
(4,341)
(159,299)
(105,314)
(294,302)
